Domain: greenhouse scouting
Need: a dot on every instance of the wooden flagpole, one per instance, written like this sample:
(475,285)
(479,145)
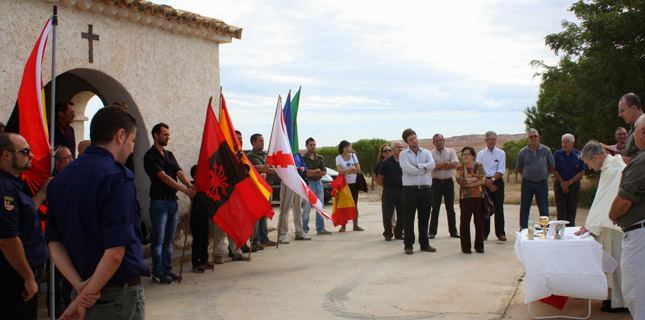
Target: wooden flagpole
(52,112)
(183,252)
(214,244)
(283,192)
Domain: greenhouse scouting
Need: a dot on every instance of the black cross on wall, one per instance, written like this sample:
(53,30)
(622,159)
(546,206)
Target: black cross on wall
(90,37)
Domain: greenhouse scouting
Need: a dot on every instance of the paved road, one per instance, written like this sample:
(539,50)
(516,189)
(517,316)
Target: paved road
(357,275)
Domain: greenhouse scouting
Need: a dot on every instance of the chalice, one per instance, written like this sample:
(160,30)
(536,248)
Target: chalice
(544,220)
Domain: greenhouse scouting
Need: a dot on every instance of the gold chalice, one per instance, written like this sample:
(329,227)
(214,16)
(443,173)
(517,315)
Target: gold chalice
(544,220)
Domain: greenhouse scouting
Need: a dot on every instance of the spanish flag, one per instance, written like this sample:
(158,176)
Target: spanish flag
(32,122)
(344,206)
(229,133)
(224,189)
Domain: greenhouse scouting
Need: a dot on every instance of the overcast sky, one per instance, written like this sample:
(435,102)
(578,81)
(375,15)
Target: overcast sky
(370,69)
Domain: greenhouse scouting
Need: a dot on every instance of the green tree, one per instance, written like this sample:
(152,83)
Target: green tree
(602,58)
(329,153)
(367,151)
(512,148)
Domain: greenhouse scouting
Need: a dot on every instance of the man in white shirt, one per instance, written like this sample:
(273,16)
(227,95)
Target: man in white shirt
(416,164)
(494,161)
(443,186)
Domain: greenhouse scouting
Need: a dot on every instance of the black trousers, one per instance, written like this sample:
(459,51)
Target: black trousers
(471,207)
(498,202)
(567,203)
(12,305)
(199,227)
(392,198)
(417,200)
(443,189)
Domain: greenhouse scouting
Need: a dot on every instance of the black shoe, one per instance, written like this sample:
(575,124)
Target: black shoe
(454,235)
(173,276)
(480,250)
(161,279)
(467,251)
(245,249)
(269,243)
(431,235)
(388,238)
(609,309)
(398,237)
(409,251)
(429,249)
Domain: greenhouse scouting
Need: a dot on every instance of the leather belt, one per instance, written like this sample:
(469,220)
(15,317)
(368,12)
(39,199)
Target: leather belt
(425,186)
(163,197)
(394,188)
(134,282)
(634,227)
(447,179)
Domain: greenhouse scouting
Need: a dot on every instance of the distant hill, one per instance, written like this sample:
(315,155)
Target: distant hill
(472,140)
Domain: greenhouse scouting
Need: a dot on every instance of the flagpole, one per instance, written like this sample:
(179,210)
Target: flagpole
(183,252)
(215,227)
(52,112)
(282,207)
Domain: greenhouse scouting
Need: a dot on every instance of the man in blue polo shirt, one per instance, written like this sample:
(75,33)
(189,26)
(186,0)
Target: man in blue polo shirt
(23,251)
(93,225)
(568,173)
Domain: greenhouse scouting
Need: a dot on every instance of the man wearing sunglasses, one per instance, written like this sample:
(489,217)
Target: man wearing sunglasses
(535,163)
(23,251)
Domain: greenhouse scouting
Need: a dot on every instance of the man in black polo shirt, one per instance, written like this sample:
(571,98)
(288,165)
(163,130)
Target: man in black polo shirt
(389,175)
(163,170)
(23,251)
(93,224)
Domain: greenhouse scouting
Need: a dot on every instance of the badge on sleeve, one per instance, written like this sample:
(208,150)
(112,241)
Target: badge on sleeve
(8,203)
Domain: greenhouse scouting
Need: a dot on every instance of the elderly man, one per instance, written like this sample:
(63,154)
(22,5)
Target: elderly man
(630,109)
(494,161)
(416,164)
(621,137)
(598,223)
(534,163)
(62,157)
(389,176)
(628,211)
(568,172)
(443,186)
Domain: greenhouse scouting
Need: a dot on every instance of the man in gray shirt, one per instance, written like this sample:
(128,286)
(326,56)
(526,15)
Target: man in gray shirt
(535,163)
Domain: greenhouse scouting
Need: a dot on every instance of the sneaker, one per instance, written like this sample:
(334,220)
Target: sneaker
(323,231)
(284,240)
(161,279)
(173,276)
(198,269)
(303,236)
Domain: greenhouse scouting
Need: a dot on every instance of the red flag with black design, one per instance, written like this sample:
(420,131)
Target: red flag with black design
(223,186)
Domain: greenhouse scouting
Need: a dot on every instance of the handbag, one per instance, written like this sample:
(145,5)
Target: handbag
(489,206)
(361,183)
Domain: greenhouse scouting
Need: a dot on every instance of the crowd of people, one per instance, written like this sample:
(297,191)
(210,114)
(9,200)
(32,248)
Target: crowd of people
(94,233)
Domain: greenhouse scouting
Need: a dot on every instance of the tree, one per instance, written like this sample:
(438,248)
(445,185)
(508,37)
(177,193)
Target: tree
(603,57)
(367,151)
(329,153)
(512,148)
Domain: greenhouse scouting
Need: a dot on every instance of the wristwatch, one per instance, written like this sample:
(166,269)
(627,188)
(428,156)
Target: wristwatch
(492,178)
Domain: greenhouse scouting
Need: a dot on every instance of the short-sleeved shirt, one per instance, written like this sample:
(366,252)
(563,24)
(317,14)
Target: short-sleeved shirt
(631,149)
(66,138)
(535,164)
(493,161)
(317,163)
(90,215)
(568,166)
(353,160)
(259,159)
(391,171)
(447,155)
(19,218)
(632,188)
(153,162)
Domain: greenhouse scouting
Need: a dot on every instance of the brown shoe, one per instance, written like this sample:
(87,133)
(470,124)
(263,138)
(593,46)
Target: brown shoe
(501,237)
(357,228)
(342,229)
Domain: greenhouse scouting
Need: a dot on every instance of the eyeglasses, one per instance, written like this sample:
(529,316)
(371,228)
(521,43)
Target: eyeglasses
(533,137)
(386,151)
(466,154)
(26,151)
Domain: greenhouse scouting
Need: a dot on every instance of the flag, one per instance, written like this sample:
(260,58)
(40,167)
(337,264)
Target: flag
(295,145)
(224,188)
(555,301)
(31,113)
(228,130)
(281,158)
(288,120)
(344,206)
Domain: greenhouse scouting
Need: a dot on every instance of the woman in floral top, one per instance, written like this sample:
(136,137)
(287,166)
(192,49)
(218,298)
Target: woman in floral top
(470,177)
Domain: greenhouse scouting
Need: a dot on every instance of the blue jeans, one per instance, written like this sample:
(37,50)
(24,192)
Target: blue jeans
(317,188)
(163,218)
(541,192)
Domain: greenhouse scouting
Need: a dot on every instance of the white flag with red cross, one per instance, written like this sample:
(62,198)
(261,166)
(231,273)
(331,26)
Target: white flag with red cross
(281,158)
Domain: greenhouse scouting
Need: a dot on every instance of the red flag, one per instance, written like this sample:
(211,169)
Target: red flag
(344,206)
(31,111)
(229,133)
(555,301)
(224,188)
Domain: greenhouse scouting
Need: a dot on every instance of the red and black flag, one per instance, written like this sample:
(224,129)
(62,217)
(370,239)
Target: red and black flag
(224,188)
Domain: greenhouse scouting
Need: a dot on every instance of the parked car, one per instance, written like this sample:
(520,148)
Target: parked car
(326,180)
